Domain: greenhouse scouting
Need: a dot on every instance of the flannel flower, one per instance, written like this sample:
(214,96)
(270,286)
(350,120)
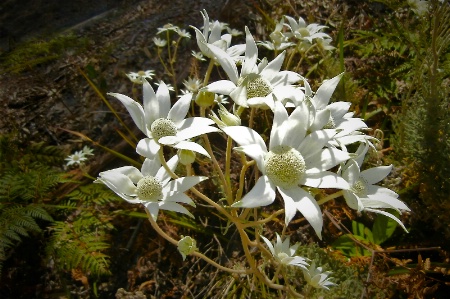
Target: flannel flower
(363,195)
(294,158)
(212,35)
(140,76)
(164,125)
(151,186)
(304,32)
(257,83)
(316,278)
(285,254)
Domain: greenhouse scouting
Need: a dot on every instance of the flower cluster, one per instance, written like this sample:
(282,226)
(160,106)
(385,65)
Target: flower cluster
(79,157)
(305,147)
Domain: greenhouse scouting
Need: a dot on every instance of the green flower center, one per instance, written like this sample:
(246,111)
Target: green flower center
(304,32)
(256,85)
(284,166)
(359,188)
(149,189)
(330,124)
(163,127)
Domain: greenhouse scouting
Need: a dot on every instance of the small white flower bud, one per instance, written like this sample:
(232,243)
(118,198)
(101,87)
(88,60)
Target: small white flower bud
(185,156)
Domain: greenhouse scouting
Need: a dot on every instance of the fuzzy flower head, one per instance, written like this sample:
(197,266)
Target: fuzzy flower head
(284,253)
(151,186)
(140,76)
(294,158)
(316,278)
(163,124)
(255,84)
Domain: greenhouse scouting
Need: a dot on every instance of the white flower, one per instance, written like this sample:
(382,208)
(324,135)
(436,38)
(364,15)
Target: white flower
(87,151)
(183,33)
(363,195)
(284,253)
(192,84)
(151,186)
(164,125)
(294,158)
(234,32)
(140,76)
(168,27)
(256,83)
(198,56)
(77,158)
(212,35)
(419,7)
(280,40)
(315,278)
(159,42)
(303,32)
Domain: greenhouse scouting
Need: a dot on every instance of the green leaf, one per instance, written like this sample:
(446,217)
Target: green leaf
(384,227)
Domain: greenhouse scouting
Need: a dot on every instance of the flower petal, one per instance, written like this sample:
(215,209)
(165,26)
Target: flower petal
(189,145)
(180,109)
(245,136)
(262,194)
(173,206)
(222,87)
(148,148)
(151,166)
(307,205)
(324,179)
(226,62)
(376,174)
(184,183)
(325,159)
(323,94)
(314,142)
(255,152)
(273,67)
(151,104)
(134,108)
(251,54)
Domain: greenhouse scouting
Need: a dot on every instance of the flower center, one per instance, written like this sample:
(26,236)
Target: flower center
(304,32)
(256,85)
(149,189)
(284,166)
(359,188)
(282,255)
(163,127)
(330,124)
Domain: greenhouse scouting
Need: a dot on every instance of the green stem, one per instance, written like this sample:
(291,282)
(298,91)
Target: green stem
(330,197)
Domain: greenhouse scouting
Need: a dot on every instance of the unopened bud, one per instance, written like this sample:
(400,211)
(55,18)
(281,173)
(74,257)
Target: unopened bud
(186,246)
(186,156)
(205,99)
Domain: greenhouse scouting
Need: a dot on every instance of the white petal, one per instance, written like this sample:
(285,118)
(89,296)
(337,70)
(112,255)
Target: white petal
(285,78)
(118,182)
(269,244)
(151,104)
(251,54)
(195,122)
(179,197)
(134,108)
(325,159)
(148,148)
(376,174)
(351,172)
(214,35)
(289,204)
(180,109)
(255,152)
(314,142)
(221,87)
(273,67)
(162,173)
(189,145)
(151,166)
(239,96)
(195,131)
(226,62)
(321,118)
(324,179)
(279,118)
(388,215)
(163,97)
(245,136)
(353,201)
(339,109)
(323,94)
(262,194)
(296,127)
(152,208)
(173,206)
(307,205)
(185,183)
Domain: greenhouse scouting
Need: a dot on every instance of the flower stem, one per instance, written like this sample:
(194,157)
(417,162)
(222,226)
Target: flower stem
(330,197)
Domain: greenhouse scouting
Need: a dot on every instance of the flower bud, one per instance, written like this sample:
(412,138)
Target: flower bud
(227,119)
(186,246)
(205,99)
(186,156)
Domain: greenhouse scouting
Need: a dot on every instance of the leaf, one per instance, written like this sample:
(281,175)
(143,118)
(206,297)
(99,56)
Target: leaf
(383,228)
